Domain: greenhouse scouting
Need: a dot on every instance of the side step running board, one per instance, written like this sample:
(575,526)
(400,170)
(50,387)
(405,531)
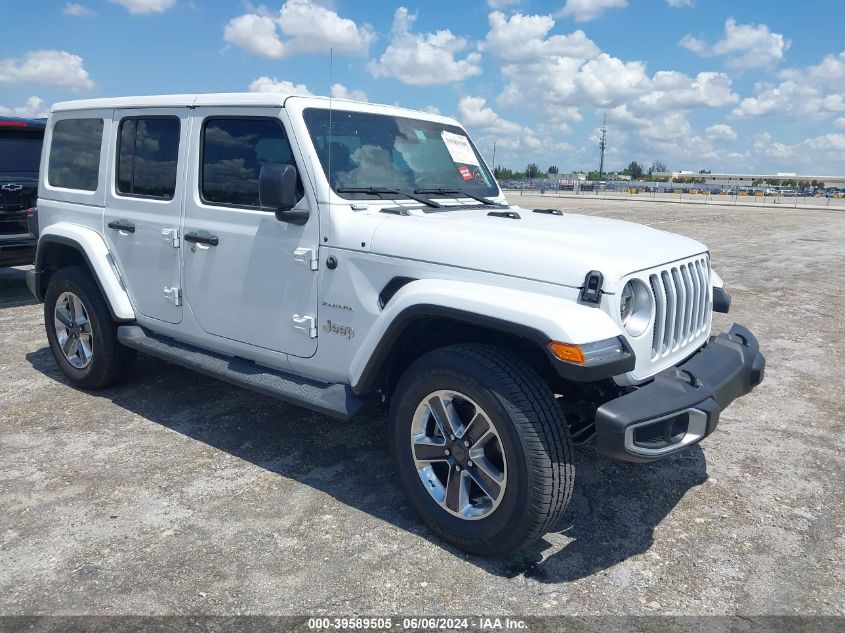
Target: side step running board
(336,400)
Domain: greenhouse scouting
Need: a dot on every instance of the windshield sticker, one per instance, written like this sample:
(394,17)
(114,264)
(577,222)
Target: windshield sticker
(459,148)
(466,174)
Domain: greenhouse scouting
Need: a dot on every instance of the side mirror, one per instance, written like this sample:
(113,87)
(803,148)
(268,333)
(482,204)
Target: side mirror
(277,191)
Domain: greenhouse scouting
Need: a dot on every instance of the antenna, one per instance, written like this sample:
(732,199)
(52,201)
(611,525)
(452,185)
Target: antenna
(331,80)
(494,156)
(603,145)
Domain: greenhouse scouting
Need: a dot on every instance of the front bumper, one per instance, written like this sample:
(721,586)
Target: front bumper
(17,251)
(681,406)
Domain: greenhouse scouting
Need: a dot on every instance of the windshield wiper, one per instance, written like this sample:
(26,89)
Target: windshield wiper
(378,191)
(460,192)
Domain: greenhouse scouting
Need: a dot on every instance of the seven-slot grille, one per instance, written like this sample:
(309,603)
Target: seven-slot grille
(682,304)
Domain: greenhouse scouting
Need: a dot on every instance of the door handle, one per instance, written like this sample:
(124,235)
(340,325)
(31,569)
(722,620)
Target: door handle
(201,237)
(122,225)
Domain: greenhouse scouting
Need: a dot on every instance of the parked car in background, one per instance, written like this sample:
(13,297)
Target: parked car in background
(20,156)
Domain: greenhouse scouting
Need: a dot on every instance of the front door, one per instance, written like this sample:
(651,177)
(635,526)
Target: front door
(248,276)
(144,206)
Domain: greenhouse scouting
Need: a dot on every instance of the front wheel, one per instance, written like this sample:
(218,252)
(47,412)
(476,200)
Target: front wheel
(482,448)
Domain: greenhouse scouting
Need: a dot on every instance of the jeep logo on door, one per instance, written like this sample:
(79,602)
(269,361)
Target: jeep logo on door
(12,186)
(343,330)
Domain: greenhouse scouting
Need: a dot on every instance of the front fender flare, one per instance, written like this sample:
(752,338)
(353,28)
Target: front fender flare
(94,250)
(536,317)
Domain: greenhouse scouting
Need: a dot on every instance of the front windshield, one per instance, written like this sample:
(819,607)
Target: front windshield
(381,151)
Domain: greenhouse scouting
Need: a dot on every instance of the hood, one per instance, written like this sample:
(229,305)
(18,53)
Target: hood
(559,249)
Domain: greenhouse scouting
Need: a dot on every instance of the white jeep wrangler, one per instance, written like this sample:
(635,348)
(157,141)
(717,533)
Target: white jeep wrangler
(331,253)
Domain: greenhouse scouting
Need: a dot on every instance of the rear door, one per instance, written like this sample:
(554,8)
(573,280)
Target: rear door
(144,206)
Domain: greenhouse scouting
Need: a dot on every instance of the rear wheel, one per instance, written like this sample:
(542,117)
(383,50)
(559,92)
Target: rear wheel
(81,332)
(482,448)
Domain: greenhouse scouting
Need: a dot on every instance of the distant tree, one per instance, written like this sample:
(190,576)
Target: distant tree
(552,169)
(634,170)
(504,173)
(657,166)
(593,175)
(533,171)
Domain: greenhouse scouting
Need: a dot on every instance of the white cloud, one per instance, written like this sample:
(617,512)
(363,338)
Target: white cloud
(694,44)
(834,143)
(55,68)
(501,4)
(339,91)
(792,99)
(585,10)
(76,9)
(840,123)
(524,37)
(508,136)
(831,70)
(576,73)
(819,153)
(266,84)
(677,4)
(675,90)
(139,7)
(34,108)
(255,34)
(424,59)
(307,27)
(743,45)
(721,132)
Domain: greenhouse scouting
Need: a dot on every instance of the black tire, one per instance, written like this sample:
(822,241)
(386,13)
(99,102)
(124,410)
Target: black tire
(110,362)
(533,436)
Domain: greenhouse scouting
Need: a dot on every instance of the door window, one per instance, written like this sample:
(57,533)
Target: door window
(148,150)
(233,151)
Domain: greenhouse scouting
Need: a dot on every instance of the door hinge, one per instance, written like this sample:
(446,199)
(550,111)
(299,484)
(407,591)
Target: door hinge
(306,256)
(174,295)
(172,236)
(305,324)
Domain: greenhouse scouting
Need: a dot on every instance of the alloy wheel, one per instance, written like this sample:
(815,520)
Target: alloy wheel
(458,454)
(73,330)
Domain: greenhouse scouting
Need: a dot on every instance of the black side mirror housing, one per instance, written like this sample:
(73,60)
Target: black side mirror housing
(277,191)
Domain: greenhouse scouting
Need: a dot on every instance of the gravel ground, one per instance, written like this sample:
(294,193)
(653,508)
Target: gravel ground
(175,493)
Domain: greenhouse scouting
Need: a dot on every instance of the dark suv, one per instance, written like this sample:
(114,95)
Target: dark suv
(20,157)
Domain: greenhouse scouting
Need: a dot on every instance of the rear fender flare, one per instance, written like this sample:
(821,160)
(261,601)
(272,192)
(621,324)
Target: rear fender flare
(95,252)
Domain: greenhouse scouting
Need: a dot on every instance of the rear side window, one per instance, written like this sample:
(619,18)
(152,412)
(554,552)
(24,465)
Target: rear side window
(75,154)
(233,151)
(147,151)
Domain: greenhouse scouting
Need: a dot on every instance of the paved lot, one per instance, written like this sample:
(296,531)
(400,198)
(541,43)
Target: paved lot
(775,202)
(175,493)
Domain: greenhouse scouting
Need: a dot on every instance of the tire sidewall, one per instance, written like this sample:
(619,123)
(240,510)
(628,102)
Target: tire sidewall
(423,379)
(64,281)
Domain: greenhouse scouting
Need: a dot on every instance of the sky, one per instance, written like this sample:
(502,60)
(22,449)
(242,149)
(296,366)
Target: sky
(729,86)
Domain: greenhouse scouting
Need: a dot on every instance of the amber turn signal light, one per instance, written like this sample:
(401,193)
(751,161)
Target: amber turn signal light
(567,352)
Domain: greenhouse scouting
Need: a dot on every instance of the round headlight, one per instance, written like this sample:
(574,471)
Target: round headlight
(636,306)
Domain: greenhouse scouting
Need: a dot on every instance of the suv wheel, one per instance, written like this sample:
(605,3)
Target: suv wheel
(482,448)
(81,332)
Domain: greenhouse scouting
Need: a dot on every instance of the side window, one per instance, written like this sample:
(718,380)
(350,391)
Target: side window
(233,151)
(74,161)
(148,150)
